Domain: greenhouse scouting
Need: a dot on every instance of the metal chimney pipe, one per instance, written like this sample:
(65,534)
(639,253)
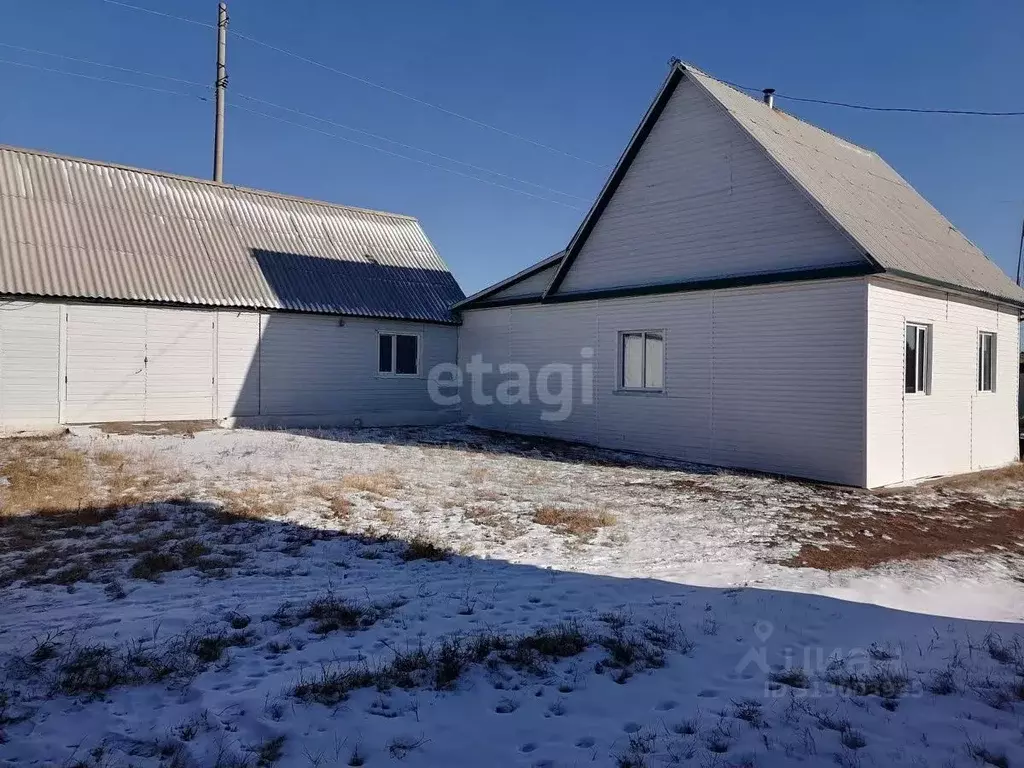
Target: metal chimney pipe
(769,97)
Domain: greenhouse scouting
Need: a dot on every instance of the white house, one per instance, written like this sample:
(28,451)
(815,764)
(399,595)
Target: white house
(130,295)
(751,291)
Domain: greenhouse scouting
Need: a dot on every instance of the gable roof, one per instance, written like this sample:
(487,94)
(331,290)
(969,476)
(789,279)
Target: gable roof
(517,278)
(75,228)
(899,232)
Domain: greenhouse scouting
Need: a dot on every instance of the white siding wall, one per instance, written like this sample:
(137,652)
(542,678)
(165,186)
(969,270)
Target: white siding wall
(238,370)
(702,200)
(180,381)
(29,363)
(955,428)
(153,363)
(105,352)
(313,367)
(530,286)
(485,333)
(769,378)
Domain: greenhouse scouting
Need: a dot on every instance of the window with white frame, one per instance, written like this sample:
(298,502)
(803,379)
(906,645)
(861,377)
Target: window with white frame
(398,354)
(642,360)
(918,362)
(986,362)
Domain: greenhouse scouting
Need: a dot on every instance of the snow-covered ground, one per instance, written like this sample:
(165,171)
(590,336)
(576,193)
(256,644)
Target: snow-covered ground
(667,630)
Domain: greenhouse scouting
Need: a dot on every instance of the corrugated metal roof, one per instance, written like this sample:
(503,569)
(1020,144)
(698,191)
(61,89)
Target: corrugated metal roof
(80,229)
(876,207)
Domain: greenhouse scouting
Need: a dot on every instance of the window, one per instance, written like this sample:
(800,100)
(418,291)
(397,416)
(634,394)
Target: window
(986,362)
(642,360)
(918,361)
(398,354)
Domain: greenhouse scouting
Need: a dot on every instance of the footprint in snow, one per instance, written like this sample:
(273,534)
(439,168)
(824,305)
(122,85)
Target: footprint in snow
(631,727)
(528,747)
(665,706)
(586,742)
(707,693)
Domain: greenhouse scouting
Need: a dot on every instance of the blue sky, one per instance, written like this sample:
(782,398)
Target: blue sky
(571,74)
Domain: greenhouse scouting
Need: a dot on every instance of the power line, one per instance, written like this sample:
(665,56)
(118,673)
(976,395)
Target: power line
(416,100)
(295,112)
(106,66)
(26,65)
(871,108)
(365,81)
(161,13)
(404,157)
(112,81)
(408,146)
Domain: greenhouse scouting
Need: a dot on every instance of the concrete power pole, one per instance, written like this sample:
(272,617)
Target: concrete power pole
(222,84)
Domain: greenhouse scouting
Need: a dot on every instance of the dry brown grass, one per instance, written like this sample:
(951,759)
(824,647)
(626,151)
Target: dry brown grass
(131,480)
(582,523)
(987,480)
(44,476)
(478,474)
(379,483)
(253,504)
(334,495)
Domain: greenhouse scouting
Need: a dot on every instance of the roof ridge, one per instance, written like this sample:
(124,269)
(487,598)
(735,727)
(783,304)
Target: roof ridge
(208,182)
(800,120)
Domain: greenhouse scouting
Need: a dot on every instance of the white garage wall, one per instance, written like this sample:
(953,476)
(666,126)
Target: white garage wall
(105,369)
(238,370)
(769,378)
(135,363)
(955,428)
(180,381)
(29,363)
(316,371)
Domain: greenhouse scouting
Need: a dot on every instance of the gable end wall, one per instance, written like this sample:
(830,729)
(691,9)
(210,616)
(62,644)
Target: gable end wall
(700,200)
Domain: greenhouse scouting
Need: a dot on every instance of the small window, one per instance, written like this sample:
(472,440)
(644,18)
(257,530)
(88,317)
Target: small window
(642,360)
(986,362)
(918,361)
(386,351)
(398,354)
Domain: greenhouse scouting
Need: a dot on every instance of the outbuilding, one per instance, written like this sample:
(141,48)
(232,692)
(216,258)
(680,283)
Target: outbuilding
(131,295)
(751,291)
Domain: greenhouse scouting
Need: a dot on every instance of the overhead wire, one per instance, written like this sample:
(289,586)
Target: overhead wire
(412,147)
(365,81)
(266,103)
(96,78)
(37,51)
(308,127)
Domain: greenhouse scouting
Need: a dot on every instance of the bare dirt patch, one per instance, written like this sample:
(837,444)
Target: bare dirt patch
(863,533)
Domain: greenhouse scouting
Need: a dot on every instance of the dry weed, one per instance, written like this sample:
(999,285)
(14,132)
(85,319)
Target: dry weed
(379,483)
(44,475)
(253,504)
(334,496)
(583,523)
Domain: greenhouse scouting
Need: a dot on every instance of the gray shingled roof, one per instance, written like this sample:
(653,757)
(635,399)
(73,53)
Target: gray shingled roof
(864,196)
(75,228)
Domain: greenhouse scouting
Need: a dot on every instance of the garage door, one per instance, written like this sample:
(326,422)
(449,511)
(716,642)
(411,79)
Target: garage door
(137,364)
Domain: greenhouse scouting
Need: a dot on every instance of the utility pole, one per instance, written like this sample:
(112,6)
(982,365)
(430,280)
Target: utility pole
(221,84)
